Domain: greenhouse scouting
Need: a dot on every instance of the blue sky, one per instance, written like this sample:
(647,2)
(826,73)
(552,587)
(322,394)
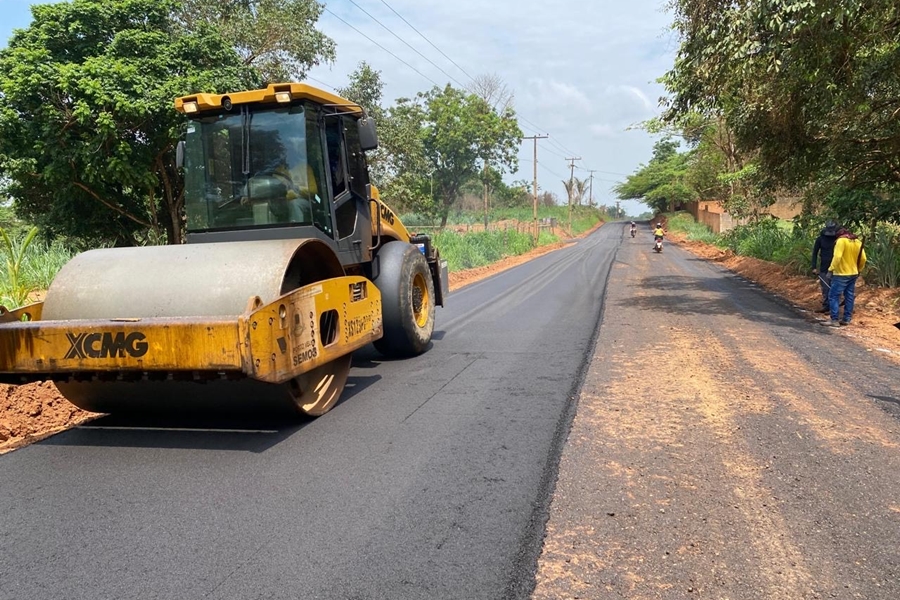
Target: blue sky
(582,71)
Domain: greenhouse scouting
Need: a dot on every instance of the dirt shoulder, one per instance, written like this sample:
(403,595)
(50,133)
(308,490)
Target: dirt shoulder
(723,447)
(33,412)
(875,312)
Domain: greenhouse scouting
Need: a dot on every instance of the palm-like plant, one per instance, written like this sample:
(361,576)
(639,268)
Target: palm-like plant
(14,288)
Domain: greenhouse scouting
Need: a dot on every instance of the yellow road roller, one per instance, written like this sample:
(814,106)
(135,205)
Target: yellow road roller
(292,262)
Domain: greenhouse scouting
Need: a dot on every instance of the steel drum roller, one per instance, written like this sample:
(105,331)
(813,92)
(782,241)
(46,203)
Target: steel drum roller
(200,280)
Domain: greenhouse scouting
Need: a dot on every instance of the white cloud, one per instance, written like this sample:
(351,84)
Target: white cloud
(557,95)
(640,96)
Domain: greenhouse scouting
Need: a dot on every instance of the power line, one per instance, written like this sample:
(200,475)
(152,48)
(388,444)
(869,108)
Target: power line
(543,166)
(538,129)
(380,46)
(427,40)
(555,153)
(407,43)
(552,140)
(607,172)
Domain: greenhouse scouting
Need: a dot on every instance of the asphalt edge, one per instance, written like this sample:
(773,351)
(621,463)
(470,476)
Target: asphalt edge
(521,582)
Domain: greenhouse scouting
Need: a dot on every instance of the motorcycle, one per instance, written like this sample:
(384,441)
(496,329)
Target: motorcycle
(633,231)
(657,246)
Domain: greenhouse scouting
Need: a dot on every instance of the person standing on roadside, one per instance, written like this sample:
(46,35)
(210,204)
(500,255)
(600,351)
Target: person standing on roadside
(849,259)
(823,252)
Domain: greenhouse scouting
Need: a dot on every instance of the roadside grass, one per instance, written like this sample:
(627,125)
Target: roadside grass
(477,248)
(28,264)
(583,217)
(883,256)
(784,243)
(684,223)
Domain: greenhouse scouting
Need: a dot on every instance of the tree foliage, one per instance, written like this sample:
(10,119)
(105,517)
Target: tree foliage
(277,37)
(663,183)
(87,125)
(809,88)
(366,89)
(461,133)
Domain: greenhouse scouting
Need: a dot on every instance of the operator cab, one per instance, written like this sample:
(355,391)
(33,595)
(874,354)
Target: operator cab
(286,164)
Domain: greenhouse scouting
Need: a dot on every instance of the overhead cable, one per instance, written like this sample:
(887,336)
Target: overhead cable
(388,29)
(380,46)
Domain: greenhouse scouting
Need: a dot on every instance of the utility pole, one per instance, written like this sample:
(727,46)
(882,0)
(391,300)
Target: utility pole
(484,178)
(536,228)
(571,181)
(591,193)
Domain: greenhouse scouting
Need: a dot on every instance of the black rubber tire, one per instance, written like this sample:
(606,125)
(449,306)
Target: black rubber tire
(396,268)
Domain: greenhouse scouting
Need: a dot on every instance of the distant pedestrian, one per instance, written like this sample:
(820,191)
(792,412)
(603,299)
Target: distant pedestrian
(849,259)
(823,251)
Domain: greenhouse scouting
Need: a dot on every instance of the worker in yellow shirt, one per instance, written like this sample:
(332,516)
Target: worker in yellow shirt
(848,260)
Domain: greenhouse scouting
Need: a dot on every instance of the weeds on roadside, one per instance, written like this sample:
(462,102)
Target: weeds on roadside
(883,257)
(476,249)
(13,286)
(694,231)
(29,264)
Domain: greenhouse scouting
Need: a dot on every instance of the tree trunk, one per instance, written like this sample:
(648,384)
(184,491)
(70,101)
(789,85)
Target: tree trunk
(173,196)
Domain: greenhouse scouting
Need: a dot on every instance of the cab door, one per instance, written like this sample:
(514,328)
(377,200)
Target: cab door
(349,176)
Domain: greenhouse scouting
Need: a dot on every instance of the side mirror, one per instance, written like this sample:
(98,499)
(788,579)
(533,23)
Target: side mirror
(179,155)
(368,138)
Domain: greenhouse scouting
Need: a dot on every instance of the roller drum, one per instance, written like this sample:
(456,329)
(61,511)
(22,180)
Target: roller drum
(202,280)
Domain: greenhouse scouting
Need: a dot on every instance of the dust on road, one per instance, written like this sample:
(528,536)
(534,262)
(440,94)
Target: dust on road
(709,458)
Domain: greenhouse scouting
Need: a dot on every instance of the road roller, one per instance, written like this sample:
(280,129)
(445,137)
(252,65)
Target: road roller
(292,261)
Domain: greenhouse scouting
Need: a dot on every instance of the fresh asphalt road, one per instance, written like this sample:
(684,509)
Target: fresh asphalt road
(430,479)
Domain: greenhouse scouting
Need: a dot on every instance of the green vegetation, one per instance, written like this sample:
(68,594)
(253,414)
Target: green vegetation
(479,248)
(883,256)
(783,98)
(684,223)
(465,250)
(790,244)
(29,265)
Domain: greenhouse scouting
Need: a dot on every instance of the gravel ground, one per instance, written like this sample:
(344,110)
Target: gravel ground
(724,446)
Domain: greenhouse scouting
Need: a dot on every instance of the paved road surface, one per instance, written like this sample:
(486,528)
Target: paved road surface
(429,480)
(720,450)
(724,447)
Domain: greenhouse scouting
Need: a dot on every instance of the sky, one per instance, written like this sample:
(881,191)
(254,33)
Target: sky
(582,71)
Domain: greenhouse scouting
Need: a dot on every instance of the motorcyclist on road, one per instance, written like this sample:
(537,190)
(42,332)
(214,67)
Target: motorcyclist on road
(633,228)
(659,232)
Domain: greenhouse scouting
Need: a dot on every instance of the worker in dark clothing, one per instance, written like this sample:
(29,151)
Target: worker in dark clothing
(823,250)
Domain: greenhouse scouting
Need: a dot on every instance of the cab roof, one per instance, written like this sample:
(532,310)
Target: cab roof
(298,91)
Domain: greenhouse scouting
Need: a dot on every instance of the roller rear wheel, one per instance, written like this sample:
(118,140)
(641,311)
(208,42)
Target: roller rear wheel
(407,299)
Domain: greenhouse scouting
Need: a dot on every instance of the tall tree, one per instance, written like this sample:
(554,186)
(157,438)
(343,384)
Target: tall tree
(278,37)
(811,88)
(402,171)
(581,187)
(87,125)
(366,88)
(569,184)
(662,183)
(491,88)
(461,132)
